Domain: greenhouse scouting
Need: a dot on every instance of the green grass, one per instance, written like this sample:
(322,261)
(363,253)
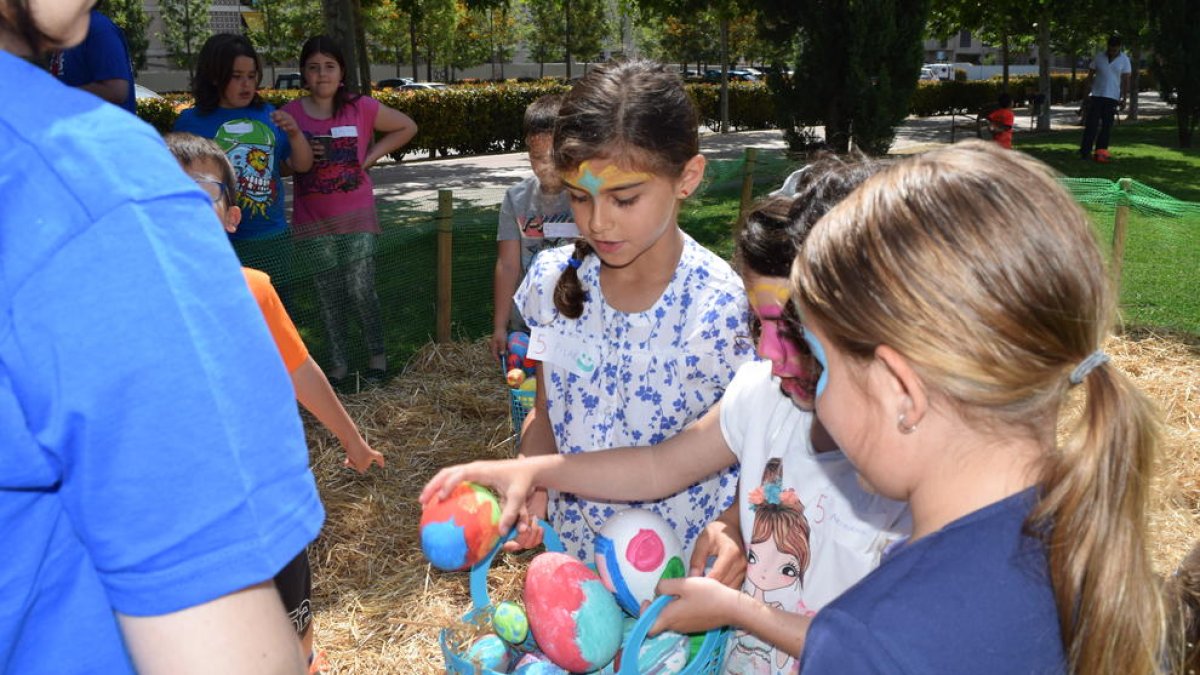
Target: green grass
(1161,270)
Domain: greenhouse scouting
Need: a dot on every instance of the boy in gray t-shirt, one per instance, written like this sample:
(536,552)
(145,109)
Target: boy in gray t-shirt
(536,215)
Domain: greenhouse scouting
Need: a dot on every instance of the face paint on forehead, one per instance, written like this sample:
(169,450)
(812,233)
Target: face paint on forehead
(764,292)
(585,178)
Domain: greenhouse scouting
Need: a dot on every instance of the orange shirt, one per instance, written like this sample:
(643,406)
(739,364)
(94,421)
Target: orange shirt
(287,339)
(1002,118)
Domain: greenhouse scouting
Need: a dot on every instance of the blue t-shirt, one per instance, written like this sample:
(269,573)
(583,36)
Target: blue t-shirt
(151,454)
(973,597)
(103,55)
(258,150)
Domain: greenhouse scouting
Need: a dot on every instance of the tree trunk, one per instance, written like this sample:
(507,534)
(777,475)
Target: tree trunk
(724,75)
(360,43)
(567,43)
(1043,123)
(1004,62)
(412,43)
(837,132)
(339,20)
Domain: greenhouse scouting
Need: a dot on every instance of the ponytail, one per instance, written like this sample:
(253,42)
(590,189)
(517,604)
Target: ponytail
(1092,518)
(568,292)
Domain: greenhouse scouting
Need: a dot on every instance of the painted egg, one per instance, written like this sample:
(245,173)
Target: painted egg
(574,619)
(535,666)
(515,378)
(510,623)
(489,652)
(663,654)
(460,530)
(518,348)
(634,549)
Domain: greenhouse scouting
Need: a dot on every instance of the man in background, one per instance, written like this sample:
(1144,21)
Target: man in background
(1110,87)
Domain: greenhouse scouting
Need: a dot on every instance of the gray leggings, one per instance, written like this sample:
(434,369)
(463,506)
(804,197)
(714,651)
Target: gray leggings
(345,277)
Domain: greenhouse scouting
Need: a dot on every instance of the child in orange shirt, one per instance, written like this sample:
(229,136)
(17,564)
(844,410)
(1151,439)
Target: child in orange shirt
(1000,122)
(207,164)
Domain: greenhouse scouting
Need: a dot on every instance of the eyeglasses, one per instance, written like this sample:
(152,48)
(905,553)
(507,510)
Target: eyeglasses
(215,189)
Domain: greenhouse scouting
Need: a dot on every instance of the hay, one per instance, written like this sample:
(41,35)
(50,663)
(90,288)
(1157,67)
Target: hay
(380,607)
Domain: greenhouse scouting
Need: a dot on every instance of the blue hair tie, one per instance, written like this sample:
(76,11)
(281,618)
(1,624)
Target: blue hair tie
(574,262)
(1094,360)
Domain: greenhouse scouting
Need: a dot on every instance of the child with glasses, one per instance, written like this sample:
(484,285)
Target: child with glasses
(206,163)
(809,530)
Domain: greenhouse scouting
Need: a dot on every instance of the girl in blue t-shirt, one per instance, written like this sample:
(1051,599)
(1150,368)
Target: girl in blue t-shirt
(960,306)
(264,144)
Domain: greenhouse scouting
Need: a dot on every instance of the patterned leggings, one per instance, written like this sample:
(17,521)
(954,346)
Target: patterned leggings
(346,278)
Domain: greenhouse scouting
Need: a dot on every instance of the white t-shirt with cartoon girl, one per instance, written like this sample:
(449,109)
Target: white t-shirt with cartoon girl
(810,530)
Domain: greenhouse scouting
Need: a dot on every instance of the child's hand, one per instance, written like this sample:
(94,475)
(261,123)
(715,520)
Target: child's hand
(701,604)
(529,529)
(512,479)
(360,457)
(722,541)
(499,343)
(285,122)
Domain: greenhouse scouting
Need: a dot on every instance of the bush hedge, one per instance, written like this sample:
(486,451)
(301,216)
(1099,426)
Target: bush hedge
(484,118)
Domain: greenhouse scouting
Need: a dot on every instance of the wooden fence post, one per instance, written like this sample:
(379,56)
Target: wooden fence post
(751,158)
(1118,244)
(445,261)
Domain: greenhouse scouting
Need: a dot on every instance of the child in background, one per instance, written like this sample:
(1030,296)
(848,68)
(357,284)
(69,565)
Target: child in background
(809,530)
(263,144)
(334,216)
(638,328)
(1001,120)
(205,162)
(536,215)
(953,330)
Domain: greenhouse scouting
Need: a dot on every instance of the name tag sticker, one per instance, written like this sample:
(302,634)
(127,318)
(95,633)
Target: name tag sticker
(565,352)
(238,128)
(344,132)
(560,229)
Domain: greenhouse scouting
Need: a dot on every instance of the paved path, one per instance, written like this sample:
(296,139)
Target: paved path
(484,178)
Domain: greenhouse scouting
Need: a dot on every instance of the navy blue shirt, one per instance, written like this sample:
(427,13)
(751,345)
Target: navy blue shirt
(103,55)
(973,597)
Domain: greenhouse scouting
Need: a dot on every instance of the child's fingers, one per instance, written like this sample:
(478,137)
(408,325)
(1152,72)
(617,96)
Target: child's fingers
(437,486)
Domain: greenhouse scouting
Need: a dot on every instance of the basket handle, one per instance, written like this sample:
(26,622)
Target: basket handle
(633,644)
(479,572)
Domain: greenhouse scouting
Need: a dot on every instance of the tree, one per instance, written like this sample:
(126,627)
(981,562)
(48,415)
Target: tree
(388,34)
(1175,36)
(586,29)
(344,24)
(130,16)
(185,28)
(855,67)
(286,24)
(542,20)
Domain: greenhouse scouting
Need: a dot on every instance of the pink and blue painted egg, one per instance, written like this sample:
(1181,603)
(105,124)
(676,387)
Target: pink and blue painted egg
(518,350)
(489,652)
(574,619)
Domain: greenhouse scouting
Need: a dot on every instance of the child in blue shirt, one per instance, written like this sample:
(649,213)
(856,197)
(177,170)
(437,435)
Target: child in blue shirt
(264,144)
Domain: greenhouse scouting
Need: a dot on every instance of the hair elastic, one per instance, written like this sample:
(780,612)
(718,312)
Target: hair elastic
(1096,358)
(574,262)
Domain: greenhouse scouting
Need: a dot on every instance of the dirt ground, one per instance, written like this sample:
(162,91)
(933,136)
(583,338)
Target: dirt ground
(380,607)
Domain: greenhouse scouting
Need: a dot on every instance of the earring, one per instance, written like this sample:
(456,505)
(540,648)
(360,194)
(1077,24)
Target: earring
(904,428)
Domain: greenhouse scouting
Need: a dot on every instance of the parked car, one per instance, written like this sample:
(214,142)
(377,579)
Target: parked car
(393,82)
(140,92)
(288,81)
(735,75)
(413,86)
(928,74)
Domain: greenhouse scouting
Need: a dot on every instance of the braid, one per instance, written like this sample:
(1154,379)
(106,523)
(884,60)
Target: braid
(568,292)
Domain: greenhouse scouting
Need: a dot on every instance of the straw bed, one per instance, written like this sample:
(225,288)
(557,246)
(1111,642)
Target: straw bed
(380,606)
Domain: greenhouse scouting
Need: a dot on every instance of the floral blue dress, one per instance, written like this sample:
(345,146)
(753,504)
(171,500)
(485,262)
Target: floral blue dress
(617,379)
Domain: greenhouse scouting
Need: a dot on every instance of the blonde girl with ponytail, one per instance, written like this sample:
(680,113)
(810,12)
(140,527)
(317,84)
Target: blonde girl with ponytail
(959,303)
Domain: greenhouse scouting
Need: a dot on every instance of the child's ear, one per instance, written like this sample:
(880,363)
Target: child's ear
(906,387)
(693,173)
(233,218)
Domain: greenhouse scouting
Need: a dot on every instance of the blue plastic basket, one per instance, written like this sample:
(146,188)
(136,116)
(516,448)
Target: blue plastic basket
(481,603)
(708,659)
(520,403)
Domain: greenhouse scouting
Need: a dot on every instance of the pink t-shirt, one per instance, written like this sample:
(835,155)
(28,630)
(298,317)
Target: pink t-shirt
(336,196)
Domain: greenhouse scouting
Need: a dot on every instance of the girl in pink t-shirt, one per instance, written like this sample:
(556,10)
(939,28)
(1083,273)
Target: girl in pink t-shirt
(334,216)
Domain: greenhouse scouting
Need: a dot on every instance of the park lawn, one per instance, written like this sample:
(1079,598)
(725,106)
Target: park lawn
(1162,253)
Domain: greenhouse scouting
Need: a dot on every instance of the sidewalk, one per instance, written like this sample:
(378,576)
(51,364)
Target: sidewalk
(484,178)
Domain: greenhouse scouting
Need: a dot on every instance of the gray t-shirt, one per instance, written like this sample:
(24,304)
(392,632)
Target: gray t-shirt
(539,220)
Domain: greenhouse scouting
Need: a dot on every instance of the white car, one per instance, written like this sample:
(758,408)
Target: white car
(928,74)
(423,85)
(144,92)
